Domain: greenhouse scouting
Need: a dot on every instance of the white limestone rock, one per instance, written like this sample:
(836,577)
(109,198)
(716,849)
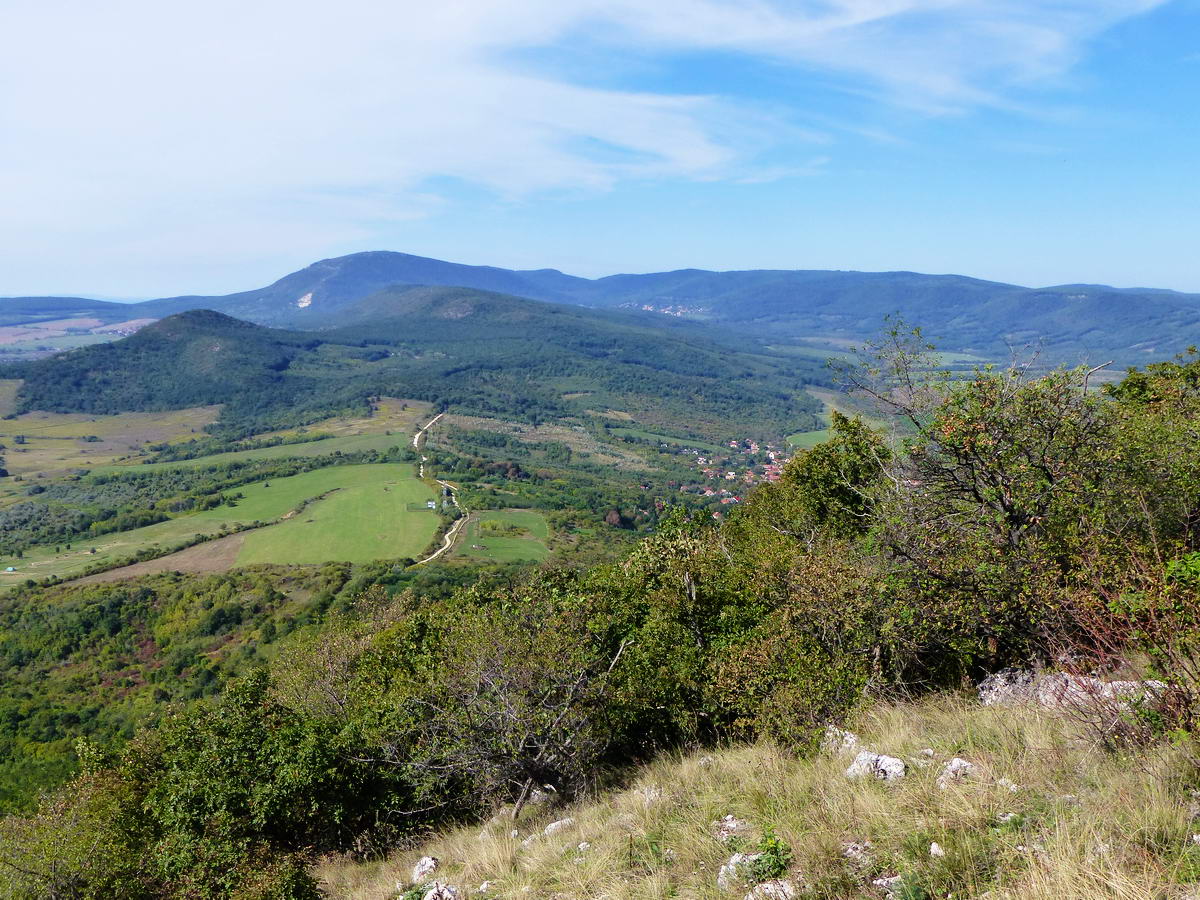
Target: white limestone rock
(733,870)
(889,885)
(839,742)
(728,827)
(858,852)
(1011,687)
(425,867)
(876,765)
(555,827)
(958,769)
(779,889)
(439,891)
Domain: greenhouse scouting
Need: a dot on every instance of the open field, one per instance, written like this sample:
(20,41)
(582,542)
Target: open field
(392,426)
(368,517)
(804,440)
(219,555)
(267,501)
(393,414)
(54,444)
(486,539)
(349,444)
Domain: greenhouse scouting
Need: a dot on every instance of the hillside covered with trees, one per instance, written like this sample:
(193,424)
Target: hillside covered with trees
(1027,521)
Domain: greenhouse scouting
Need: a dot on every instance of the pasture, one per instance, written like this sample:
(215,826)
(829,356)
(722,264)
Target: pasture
(804,440)
(505,535)
(368,516)
(387,527)
(42,445)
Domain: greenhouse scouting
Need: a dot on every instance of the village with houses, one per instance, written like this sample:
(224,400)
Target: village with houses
(724,478)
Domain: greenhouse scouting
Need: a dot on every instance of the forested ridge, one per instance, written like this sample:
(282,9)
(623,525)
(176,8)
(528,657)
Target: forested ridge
(478,353)
(1023,520)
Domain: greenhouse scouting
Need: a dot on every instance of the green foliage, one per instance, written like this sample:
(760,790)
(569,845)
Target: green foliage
(467,350)
(101,660)
(774,859)
(1017,507)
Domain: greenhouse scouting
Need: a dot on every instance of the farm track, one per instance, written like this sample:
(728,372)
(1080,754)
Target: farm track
(456,529)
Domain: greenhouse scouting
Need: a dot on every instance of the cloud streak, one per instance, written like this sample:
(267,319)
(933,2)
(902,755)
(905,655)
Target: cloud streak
(130,127)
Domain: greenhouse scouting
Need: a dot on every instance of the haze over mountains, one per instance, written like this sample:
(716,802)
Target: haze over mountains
(1069,323)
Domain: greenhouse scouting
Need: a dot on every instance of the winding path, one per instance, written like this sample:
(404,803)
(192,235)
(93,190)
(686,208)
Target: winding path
(450,536)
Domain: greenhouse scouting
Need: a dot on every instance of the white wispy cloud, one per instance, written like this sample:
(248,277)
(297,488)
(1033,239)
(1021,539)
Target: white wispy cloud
(240,126)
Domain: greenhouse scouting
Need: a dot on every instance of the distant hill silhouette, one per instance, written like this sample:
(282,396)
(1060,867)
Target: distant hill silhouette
(1068,322)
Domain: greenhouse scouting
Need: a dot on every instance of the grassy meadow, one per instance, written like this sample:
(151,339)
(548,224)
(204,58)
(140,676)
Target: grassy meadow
(370,521)
(368,516)
(56,444)
(833,400)
(505,535)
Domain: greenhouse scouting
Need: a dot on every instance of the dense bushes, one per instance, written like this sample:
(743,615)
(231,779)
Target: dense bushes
(1021,517)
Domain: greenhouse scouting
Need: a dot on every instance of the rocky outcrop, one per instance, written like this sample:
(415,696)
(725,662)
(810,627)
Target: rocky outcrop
(1060,690)
(876,765)
(425,867)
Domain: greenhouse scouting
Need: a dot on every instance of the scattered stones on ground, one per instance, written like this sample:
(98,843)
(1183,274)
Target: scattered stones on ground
(858,852)
(439,891)
(728,827)
(958,769)
(889,884)
(731,872)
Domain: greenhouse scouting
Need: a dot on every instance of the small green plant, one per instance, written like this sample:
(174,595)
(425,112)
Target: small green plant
(774,859)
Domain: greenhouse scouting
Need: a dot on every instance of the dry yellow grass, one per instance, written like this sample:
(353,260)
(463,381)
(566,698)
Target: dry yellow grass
(1080,823)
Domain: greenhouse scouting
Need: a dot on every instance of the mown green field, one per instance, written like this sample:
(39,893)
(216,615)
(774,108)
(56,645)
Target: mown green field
(480,543)
(267,501)
(366,518)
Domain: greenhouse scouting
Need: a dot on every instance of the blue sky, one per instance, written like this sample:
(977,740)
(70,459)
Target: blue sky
(147,149)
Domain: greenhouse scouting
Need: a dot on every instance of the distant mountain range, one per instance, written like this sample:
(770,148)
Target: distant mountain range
(475,351)
(1070,323)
